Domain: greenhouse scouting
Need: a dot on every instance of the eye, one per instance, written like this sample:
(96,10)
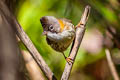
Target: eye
(51,28)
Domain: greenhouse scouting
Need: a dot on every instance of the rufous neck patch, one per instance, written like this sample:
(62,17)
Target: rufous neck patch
(61,25)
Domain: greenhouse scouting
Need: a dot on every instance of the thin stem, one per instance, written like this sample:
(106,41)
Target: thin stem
(111,65)
(80,29)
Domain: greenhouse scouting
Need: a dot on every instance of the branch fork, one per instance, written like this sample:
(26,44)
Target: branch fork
(80,29)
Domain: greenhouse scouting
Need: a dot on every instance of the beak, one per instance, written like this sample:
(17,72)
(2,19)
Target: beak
(44,33)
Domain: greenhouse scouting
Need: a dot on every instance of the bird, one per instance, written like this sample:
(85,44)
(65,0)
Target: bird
(60,33)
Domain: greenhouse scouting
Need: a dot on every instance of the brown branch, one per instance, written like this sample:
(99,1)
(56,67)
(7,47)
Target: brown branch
(27,42)
(111,65)
(80,29)
(33,51)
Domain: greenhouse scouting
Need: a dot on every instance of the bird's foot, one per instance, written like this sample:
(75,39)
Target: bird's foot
(69,60)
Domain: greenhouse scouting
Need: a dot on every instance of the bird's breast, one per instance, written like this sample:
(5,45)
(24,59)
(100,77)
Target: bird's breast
(59,46)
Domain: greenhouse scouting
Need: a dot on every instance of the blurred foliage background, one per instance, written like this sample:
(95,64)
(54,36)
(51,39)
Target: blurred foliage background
(102,31)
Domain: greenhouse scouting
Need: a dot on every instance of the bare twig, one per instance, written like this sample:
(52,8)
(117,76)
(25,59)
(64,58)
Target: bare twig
(111,65)
(27,42)
(80,29)
(35,54)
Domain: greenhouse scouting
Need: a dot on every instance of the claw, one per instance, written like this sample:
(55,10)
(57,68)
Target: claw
(69,60)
